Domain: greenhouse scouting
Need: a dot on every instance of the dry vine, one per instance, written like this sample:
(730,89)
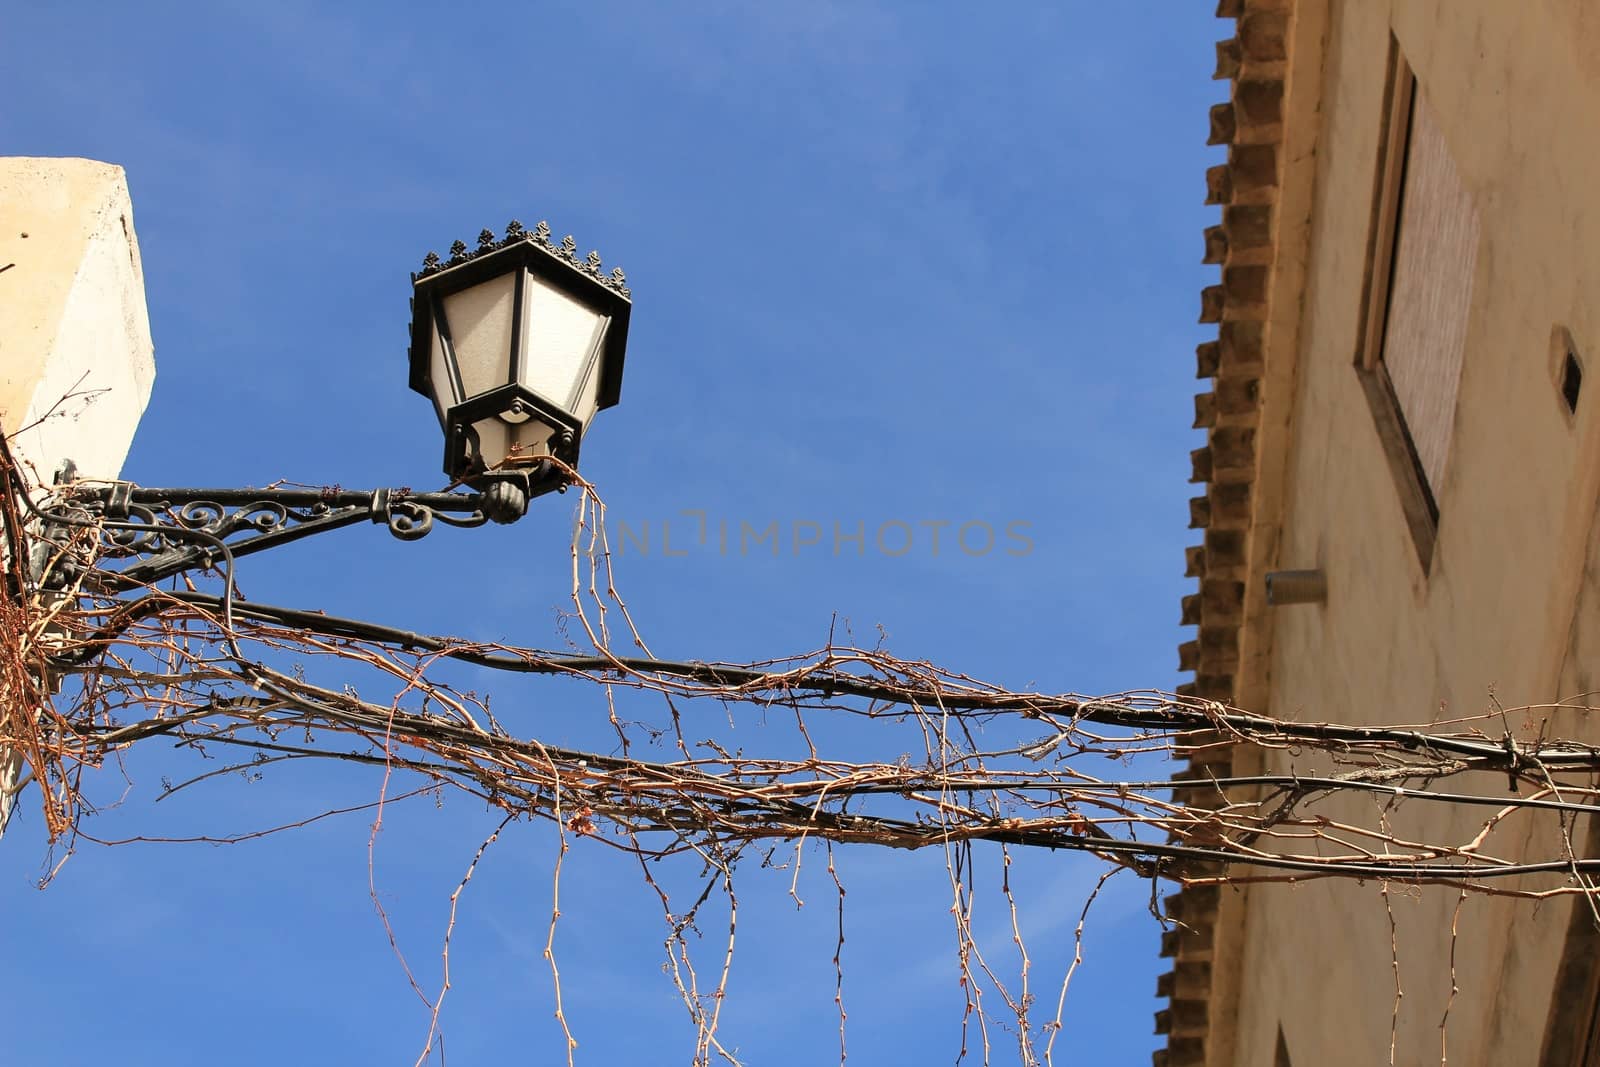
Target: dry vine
(1015,769)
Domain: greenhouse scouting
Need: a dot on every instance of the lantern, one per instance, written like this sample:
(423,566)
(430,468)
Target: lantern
(518,343)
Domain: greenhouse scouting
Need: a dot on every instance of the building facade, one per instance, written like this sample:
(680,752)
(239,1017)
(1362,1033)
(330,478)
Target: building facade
(1408,306)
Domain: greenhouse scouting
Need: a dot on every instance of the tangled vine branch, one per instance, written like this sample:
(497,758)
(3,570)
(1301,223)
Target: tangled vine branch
(957,761)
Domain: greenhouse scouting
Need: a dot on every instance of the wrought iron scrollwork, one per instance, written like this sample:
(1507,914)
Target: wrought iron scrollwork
(167,531)
(410,520)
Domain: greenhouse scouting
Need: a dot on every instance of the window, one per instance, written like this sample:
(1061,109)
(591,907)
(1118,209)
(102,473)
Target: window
(1568,368)
(1422,253)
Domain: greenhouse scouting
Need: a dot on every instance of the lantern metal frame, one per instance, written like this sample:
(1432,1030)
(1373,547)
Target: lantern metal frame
(520,253)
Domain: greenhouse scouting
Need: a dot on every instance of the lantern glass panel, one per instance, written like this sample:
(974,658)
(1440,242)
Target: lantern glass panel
(563,340)
(440,377)
(480,323)
(519,442)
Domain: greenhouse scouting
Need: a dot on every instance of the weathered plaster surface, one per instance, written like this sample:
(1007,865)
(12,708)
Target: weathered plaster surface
(76,360)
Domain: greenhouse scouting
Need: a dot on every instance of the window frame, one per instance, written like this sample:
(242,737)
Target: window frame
(1417,500)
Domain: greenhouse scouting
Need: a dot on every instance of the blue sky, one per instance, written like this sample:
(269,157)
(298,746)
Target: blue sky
(892,263)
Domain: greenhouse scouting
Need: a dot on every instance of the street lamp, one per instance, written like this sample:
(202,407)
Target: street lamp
(517,343)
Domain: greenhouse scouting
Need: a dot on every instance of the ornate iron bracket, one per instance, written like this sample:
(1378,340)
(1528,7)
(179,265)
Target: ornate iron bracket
(168,531)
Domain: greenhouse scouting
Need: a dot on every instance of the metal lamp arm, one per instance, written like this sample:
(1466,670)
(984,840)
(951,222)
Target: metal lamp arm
(170,531)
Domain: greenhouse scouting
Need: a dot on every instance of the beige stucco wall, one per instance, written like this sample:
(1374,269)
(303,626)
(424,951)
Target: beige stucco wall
(1511,603)
(76,360)
(75,349)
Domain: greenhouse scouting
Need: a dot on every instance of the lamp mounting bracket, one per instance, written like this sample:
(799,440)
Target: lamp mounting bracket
(161,532)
